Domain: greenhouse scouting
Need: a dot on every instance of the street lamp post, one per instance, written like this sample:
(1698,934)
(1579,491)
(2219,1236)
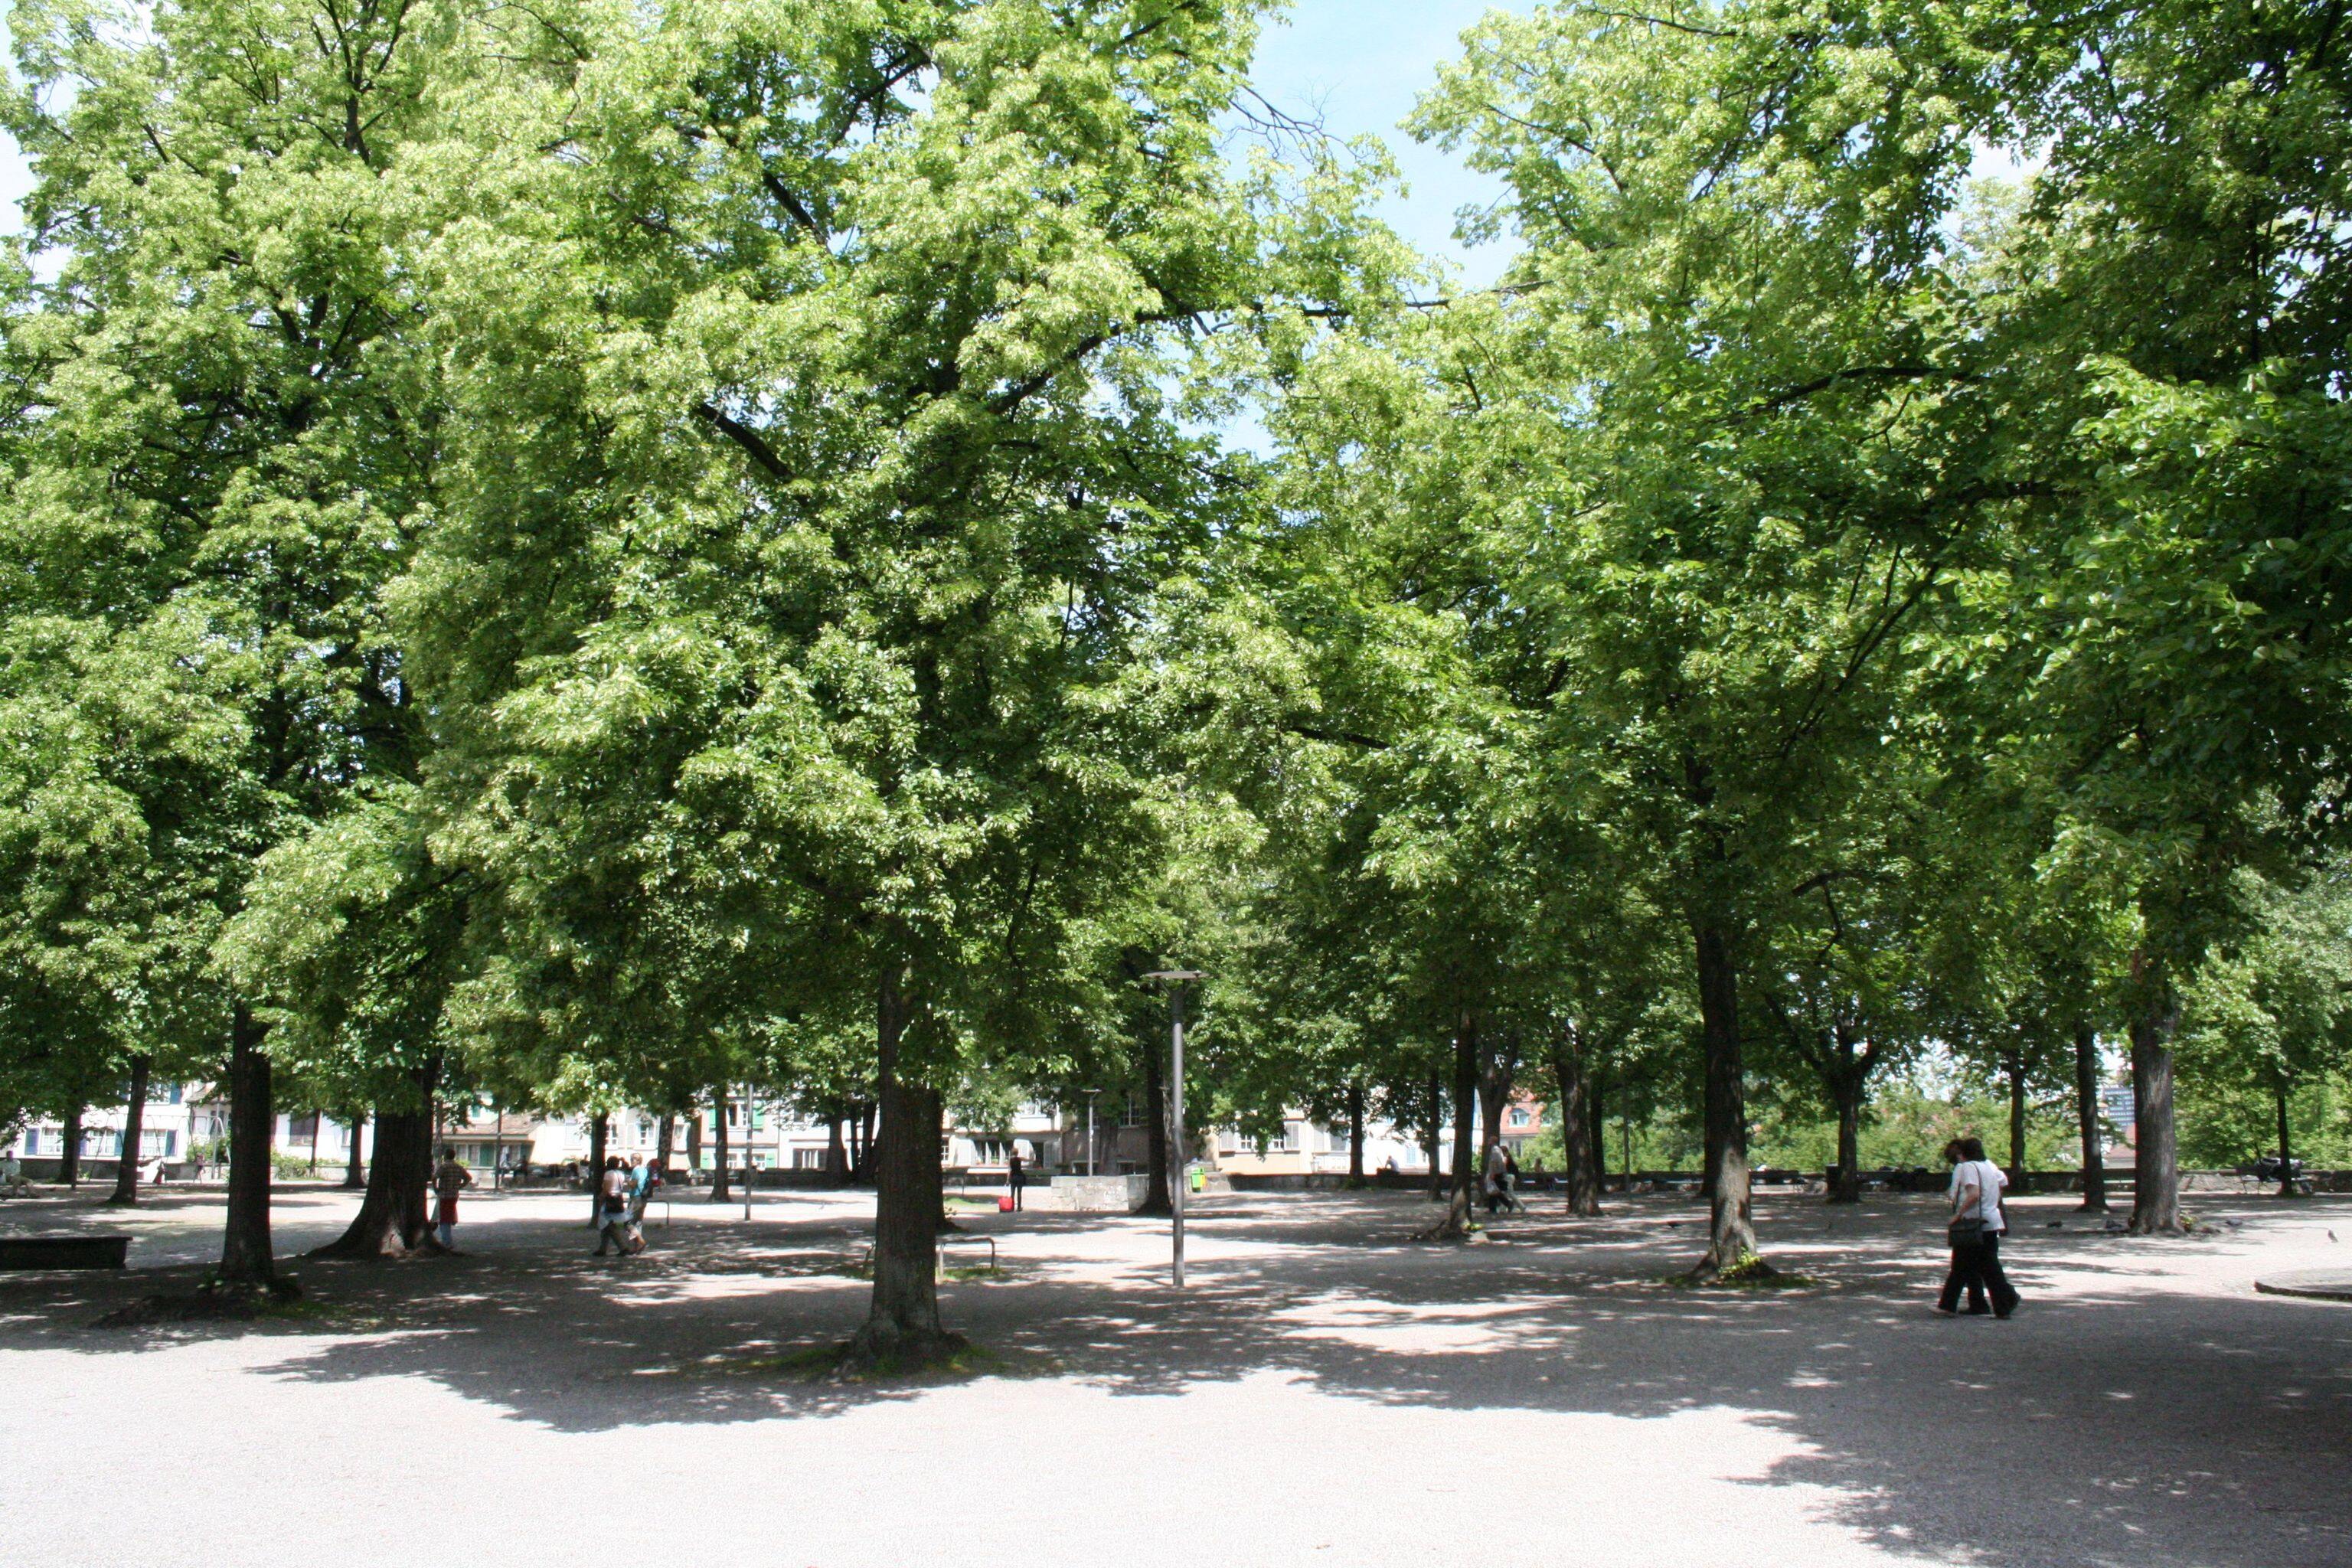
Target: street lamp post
(1176,979)
(1091,1146)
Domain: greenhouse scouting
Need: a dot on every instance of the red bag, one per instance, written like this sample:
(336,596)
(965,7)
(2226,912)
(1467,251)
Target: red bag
(1004,1206)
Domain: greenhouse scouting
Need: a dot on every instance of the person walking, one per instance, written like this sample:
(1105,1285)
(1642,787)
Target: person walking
(1014,1177)
(1975,1230)
(642,1180)
(613,1209)
(448,1179)
(1491,1183)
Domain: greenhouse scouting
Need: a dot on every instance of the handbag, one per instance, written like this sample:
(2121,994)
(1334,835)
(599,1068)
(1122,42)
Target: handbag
(1966,1232)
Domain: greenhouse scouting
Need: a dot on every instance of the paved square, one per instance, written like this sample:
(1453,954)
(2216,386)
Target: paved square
(1326,1393)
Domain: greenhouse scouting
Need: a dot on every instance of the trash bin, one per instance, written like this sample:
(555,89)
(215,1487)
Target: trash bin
(1200,1178)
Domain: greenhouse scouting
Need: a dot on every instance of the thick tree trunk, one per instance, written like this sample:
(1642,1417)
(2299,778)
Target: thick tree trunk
(2017,1125)
(1847,1188)
(694,1140)
(246,1253)
(355,1171)
(2287,1150)
(2087,1119)
(836,1155)
(1431,1136)
(1731,1223)
(664,1142)
(1576,1129)
(1356,1133)
(722,1180)
(391,1221)
(2156,1165)
(1156,1200)
(134,1132)
(902,1325)
(69,1161)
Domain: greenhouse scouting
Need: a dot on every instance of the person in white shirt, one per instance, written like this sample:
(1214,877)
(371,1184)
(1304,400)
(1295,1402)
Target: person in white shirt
(1975,1228)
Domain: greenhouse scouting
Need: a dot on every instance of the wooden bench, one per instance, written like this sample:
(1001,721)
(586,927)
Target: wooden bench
(64,1251)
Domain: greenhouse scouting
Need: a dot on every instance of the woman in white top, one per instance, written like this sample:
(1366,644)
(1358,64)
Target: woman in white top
(1975,1227)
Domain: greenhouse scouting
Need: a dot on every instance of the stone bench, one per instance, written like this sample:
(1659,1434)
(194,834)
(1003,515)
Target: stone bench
(64,1251)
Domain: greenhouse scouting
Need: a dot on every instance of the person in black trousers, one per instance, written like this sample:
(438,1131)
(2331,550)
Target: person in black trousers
(1013,1178)
(1976,1227)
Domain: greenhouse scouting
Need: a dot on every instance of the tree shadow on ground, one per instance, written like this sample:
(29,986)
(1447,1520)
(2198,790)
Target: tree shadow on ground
(2146,1421)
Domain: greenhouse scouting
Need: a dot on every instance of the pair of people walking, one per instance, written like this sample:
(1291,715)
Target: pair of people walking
(621,1193)
(1974,1230)
(1501,1181)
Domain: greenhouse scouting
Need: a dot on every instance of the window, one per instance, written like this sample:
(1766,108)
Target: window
(162,1144)
(808,1158)
(1519,1116)
(301,1129)
(101,1142)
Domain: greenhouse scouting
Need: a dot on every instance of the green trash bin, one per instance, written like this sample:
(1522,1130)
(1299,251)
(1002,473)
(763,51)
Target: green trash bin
(1200,1178)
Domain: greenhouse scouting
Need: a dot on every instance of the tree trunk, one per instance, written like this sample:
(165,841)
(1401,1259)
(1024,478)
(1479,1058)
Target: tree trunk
(1847,1188)
(1596,1130)
(902,1325)
(694,1139)
(1731,1223)
(355,1172)
(2017,1125)
(868,1129)
(1431,1134)
(391,1221)
(1575,1125)
(1457,1220)
(1155,1132)
(600,1134)
(134,1131)
(2087,1119)
(836,1155)
(2156,1165)
(245,1260)
(664,1141)
(69,1161)
(2287,1151)
(1356,1133)
(1493,1093)
(722,1180)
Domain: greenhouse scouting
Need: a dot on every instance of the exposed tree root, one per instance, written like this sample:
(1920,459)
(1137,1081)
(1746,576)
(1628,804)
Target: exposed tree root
(211,1301)
(882,1349)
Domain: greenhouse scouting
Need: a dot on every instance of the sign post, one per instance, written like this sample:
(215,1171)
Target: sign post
(1176,979)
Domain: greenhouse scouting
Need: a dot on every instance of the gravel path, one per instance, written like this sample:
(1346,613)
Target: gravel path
(1324,1393)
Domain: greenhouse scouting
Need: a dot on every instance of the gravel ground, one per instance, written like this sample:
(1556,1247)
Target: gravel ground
(1326,1393)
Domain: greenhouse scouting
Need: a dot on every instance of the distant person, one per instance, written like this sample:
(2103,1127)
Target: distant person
(1975,1229)
(449,1179)
(1013,1178)
(613,1209)
(195,1167)
(1511,1183)
(12,1174)
(1490,1182)
(1392,1167)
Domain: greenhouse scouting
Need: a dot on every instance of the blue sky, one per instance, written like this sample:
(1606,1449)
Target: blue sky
(1359,63)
